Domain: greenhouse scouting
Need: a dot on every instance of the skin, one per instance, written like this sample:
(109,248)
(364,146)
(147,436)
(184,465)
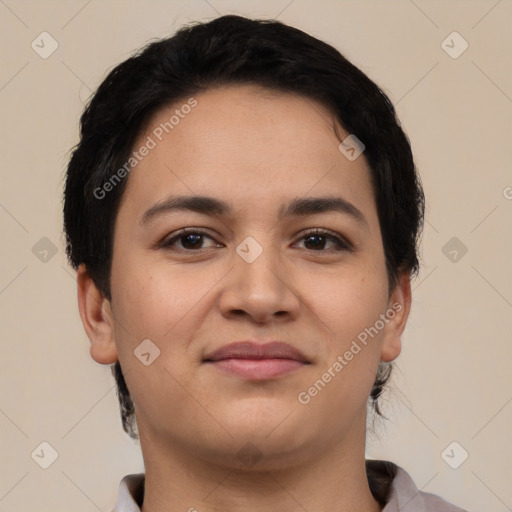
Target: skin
(256,150)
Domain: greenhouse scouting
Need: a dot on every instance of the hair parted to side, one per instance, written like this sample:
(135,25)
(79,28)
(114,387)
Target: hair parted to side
(234,50)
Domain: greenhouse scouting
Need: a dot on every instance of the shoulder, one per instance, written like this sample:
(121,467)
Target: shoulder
(396,491)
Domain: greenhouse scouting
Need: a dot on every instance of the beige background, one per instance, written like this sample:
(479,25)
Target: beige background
(454,378)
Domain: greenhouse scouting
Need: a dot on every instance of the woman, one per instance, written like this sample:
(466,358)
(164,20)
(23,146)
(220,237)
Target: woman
(243,211)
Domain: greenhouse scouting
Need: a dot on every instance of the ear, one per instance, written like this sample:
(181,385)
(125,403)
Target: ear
(97,318)
(399,306)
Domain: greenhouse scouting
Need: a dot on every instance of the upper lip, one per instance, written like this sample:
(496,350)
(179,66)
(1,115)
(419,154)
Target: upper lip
(256,350)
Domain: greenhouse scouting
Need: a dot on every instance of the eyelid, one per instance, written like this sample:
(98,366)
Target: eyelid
(176,235)
(342,243)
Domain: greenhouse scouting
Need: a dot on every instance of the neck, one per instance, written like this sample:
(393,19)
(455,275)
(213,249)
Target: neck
(332,480)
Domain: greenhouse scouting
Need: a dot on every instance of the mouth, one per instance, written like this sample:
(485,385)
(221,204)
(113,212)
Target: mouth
(255,361)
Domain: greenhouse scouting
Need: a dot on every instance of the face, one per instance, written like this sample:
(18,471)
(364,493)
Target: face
(287,249)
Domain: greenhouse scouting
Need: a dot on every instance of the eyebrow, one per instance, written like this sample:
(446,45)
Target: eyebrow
(211,206)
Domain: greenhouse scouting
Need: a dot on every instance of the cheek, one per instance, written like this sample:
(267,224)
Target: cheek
(348,308)
(159,301)
(349,301)
(161,304)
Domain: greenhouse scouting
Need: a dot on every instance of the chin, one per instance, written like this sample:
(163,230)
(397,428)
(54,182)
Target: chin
(262,454)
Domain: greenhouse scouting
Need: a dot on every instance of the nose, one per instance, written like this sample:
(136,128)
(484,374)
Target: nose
(260,290)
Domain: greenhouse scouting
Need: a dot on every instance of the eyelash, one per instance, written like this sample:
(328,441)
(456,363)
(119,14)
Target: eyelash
(341,243)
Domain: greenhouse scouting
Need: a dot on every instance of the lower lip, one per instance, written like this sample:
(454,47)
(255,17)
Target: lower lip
(257,369)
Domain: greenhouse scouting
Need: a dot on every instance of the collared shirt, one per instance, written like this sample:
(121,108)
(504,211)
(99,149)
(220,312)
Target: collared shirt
(400,495)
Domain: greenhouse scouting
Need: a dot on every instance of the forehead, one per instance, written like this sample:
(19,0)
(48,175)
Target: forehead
(249,145)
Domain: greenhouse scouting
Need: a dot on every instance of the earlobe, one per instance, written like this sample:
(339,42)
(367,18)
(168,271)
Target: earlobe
(97,318)
(399,306)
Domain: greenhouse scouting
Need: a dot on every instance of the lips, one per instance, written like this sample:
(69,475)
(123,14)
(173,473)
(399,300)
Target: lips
(252,350)
(256,361)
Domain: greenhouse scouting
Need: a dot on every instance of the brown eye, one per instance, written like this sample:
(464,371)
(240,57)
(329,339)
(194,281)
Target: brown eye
(187,240)
(316,240)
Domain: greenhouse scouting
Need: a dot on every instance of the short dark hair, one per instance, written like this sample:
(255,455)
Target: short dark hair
(234,50)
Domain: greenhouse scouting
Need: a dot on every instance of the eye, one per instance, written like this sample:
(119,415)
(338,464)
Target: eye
(189,239)
(192,239)
(317,239)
